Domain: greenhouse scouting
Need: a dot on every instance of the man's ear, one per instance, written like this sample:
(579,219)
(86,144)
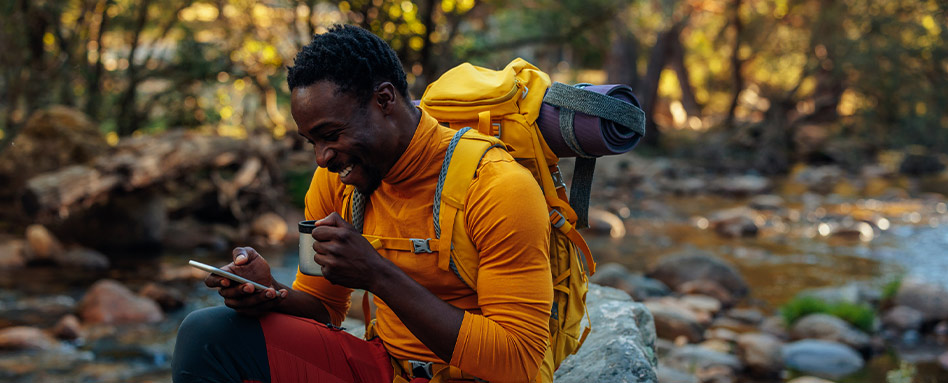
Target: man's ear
(386,97)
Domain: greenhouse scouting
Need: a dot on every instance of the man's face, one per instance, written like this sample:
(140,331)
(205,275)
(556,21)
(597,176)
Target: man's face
(350,139)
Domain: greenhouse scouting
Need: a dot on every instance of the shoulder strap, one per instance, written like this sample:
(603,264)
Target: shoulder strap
(458,169)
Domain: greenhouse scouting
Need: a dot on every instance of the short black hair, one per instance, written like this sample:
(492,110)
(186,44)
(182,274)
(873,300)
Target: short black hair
(352,58)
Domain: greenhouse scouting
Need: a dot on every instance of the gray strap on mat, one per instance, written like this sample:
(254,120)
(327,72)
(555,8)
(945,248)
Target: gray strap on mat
(580,189)
(595,104)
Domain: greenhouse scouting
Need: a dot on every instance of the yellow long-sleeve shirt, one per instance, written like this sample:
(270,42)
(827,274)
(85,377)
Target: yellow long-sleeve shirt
(505,330)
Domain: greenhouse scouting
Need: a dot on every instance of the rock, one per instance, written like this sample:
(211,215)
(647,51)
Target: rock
(744,185)
(917,162)
(775,326)
(670,375)
(733,325)
(189,234)
(83,258)
(750,316)
(686,186)
(703,362)
(822,358)
(903,318)
(271,226)
(638,286)
(12,254)
(68,328)
(602,222)
(931,300)
(943,360)
(168,298)
(734,223)
(26,338)
(676,270)
(717,345)
(709,288)
(831,328)
(39,311)
(43,245)
(721,333)
(820,179)
(673,321)
(760,353)
(110,302)
(854,292)
(701,303)
(767,202)
(621,346)
(809,379)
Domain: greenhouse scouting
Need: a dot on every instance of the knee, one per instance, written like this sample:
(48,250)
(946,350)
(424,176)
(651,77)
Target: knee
(210,325)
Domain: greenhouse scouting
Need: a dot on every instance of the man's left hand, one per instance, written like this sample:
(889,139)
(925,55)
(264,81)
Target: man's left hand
(346,257)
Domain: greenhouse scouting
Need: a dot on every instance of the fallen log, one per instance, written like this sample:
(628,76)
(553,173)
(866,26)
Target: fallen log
(137,163)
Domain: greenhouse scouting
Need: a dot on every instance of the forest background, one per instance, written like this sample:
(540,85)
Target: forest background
(746,84)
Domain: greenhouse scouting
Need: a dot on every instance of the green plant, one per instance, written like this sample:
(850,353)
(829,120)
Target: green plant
(891,288)
(859,315)
(905,374)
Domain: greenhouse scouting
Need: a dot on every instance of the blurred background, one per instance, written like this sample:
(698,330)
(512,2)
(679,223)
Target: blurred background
(798,146)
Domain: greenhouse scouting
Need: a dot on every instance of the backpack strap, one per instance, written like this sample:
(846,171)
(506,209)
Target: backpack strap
(458,169)
(572,99)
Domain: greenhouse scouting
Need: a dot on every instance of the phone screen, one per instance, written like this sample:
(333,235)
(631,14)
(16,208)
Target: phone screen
(222,273)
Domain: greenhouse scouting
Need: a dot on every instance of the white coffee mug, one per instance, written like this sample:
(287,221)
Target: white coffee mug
(308,264)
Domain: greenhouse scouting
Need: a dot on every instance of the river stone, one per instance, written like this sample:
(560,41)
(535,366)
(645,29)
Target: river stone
(929,299)
(43,244)
(750,316)
(26,338)
(943,361)
(673,321)
(270,226)
(638,286)
(83,258)
(621,346)
(809,379)
(605,223)
(110,302)
(822,358)
(39,311)
(828,327)
(12,254)
(701,303)
(743,185)
(903,318)
(776,326)
(702,361)
(167,297)
(67,328)
(760,353)
(709,288)
(766,202)
(675,270)
(670,375)
(853,292)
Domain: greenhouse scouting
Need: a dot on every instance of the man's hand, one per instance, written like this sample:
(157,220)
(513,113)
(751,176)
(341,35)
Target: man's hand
(346,257)
(243,297)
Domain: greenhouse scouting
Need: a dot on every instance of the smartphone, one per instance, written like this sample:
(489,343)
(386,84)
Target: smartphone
(222,273)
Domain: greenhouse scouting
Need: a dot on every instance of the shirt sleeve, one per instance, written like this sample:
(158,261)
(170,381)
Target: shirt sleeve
(321,199)
(507,219)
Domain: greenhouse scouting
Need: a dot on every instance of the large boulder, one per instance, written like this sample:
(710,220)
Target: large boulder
(676,270)
(110,302)
(822,358)
(931,300)
(621,346)
(828,327)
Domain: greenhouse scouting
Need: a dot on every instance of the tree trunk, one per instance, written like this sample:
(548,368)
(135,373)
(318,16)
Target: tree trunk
(128,121)
(688,100)
(622,60)
(658,58)
(737,79)
(94,82)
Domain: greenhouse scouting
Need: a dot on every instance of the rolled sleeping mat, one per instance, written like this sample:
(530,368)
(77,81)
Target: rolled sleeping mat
(579,131)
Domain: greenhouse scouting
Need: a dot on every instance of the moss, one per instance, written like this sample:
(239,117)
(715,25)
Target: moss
(862,316)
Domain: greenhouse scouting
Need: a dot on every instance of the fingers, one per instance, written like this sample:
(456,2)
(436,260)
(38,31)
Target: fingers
(244,255)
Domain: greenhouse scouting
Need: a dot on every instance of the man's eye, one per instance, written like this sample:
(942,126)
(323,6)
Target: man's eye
(332,136)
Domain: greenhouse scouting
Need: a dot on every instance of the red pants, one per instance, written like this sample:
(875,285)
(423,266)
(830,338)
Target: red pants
(303,350)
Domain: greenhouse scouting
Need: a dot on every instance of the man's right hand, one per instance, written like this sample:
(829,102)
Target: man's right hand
(243,297)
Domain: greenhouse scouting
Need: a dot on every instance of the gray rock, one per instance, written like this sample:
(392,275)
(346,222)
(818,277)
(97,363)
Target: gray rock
(854,292)
(775,326)
(760,353)
(701,360)
(638,286)
(822,358)
(38,311)
(678,269)
(621,346)
(828,327)
(750,316)
(903,318)
(82,258)
(931,300)
(670,375)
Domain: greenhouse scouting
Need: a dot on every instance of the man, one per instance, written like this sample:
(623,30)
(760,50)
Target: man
(350,100)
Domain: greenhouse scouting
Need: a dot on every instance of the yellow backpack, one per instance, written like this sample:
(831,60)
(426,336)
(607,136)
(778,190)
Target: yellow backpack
(502,106)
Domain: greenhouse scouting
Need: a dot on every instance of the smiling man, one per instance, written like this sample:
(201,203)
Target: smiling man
(350,101)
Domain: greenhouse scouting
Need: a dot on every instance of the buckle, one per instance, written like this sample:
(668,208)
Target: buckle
(557,177)
(557,219)
(420,245)
(496,124)
(421,369)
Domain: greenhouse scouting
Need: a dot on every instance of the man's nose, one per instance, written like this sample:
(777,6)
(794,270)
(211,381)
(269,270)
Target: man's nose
(324,154)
